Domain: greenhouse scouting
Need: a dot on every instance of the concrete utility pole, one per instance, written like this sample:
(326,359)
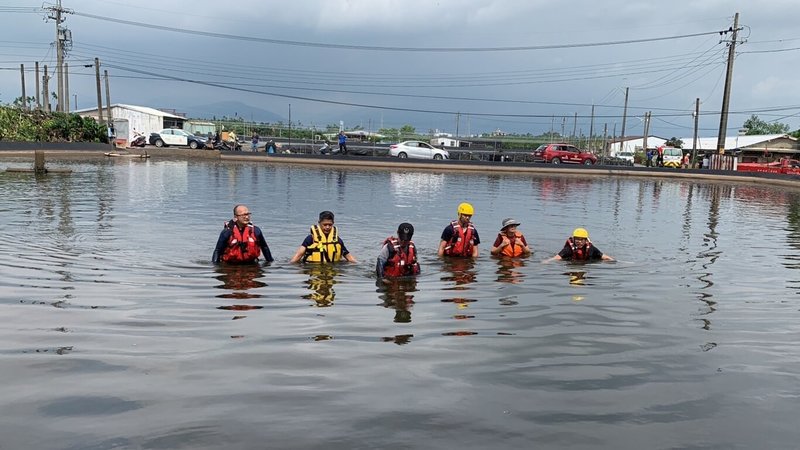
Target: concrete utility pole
(575,126)
(38,93)
(591,129)
(56,13)
(624,118)
(605,139)
(646,131)
(108,97)
(66,87)
(22,75)
(45,88)
(696,120)
(723,118)
(99,95)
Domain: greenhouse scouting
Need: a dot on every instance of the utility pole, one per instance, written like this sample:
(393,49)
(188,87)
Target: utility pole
(575,127)
(290,126)
(45,88)
(99,95)
(591,129)
(38,101)
(605,139)
(624,118)
(108,97)
(63,40)
(723,119)
(696,120)
(646,131)
(66,88)
(22,75)
(458,123)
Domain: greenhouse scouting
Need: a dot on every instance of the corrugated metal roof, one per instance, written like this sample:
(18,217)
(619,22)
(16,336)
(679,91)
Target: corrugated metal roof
(733,142)
(141,109)
(710,143)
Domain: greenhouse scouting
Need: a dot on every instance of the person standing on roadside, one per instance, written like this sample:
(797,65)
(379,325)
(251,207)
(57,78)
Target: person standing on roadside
(342,143)
(254,142)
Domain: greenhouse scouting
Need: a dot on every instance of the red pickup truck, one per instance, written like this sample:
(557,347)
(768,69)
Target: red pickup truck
(785,166)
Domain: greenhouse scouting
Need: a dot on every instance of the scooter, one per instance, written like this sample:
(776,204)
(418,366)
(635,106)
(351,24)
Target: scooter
(138,140)
(327,150)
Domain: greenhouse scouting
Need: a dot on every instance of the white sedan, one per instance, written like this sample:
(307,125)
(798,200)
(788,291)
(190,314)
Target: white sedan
(174,136)
(417,149)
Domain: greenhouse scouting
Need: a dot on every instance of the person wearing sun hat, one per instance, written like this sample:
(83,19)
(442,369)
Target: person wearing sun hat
(579,248)
(510,242)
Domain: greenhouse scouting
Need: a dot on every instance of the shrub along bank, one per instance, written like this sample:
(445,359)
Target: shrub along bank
(17,124)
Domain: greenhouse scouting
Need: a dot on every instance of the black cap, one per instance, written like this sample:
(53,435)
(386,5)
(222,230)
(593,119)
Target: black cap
(405,231)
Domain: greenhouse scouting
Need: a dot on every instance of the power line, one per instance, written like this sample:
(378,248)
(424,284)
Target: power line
(390,49)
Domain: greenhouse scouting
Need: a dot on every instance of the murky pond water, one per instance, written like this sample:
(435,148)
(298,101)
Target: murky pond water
(118,332)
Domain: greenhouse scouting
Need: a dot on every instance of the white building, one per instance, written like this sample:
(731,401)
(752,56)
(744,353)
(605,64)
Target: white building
(139,118)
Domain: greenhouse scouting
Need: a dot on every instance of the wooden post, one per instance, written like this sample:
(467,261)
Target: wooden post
(38,162)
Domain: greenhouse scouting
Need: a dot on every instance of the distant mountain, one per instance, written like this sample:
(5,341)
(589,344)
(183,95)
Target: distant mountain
(232,109)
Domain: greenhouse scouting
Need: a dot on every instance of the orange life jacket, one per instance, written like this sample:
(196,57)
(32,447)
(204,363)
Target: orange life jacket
(403,261)
(580,253)
(461,243)
(242,246)
(515,248)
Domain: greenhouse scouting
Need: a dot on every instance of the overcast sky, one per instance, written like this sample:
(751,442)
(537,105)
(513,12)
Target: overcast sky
(523,66)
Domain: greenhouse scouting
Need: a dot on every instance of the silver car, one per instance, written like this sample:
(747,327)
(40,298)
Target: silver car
(417,149)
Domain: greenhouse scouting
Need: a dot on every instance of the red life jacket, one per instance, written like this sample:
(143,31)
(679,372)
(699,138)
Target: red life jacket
(515,248)
(461,243)
(242,246)
(580,253)
(403,261)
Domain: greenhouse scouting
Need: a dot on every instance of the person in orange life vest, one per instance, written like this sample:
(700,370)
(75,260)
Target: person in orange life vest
(398,257)
(460,238)
(323,245)
(579,248)
(510,242)
(241,241)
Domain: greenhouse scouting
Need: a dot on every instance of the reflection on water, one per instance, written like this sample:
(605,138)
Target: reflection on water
(321,279)
(687,342)
(398,294)
(509,270)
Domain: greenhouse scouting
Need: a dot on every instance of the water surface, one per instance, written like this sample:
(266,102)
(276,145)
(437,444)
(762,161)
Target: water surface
(117,331)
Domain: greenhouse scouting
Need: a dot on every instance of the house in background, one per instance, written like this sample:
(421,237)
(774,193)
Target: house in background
(139,118)
(753,148)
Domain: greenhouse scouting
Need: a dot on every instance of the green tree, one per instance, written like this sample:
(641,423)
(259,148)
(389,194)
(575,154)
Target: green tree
(408,129)
(754,125)
(674,142)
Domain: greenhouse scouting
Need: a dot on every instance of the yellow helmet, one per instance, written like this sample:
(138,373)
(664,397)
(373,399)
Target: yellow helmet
(466,209)
(580,233)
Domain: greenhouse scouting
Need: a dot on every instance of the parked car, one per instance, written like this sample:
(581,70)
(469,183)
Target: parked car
(625,155)
(563,153)
(174,136)
(614,161)
(417,149)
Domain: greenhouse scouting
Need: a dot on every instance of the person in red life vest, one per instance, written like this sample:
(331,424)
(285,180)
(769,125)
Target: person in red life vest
(460,238)
(579,248)
(660,157)
(510,242)
(398,257)
(240,241)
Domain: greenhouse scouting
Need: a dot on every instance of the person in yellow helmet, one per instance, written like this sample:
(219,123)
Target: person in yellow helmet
(323,244)
(460,238)
(579,248)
